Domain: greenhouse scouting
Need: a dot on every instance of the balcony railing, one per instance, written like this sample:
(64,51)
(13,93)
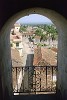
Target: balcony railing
(34,79)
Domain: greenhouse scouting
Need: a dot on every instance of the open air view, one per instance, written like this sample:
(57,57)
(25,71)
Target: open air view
(34,48)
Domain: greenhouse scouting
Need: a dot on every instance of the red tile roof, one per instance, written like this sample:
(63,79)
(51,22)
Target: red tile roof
(16,59)
(44,57)
(49,56)
(54,49)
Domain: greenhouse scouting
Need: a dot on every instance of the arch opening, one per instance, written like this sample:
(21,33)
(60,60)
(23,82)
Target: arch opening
(36,36)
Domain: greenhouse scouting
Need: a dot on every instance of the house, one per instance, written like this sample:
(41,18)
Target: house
(16,42)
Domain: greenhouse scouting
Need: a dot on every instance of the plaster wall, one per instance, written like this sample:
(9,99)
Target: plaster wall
(16,29)
(5,63)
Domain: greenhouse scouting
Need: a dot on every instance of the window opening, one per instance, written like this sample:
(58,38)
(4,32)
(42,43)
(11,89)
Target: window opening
(36,72)
(17,44)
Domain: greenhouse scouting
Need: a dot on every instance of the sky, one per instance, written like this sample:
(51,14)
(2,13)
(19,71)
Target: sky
(34,19)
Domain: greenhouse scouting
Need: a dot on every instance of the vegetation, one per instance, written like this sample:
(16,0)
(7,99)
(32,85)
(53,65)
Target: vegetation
(40,44)
(51,32)
(23,29)
(44,31)
(38,32)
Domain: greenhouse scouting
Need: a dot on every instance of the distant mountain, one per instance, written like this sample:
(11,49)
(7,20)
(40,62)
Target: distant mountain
(34,24)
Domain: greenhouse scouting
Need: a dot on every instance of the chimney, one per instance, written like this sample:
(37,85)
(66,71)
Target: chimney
(37,55)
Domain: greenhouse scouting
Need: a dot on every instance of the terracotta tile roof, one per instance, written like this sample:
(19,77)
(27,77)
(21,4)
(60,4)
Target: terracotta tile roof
(16,59)
(49,56)
(17,25)
(43,63)
(15,37)
(44,57)
(54,49)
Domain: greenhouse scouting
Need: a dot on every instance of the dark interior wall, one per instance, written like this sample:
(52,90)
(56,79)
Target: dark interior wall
(1,92)
(11,7)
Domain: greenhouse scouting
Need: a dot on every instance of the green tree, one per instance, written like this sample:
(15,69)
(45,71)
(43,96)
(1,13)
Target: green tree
(39,32)
(22,28)
(43,37)
(51,32)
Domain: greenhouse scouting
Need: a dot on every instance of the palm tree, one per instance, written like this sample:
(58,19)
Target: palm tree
(51,32)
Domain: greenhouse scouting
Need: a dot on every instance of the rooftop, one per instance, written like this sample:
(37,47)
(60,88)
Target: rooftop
(49,56)
(45,57)
(16,59)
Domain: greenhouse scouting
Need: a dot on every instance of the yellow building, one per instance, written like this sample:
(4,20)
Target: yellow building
(16,39)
